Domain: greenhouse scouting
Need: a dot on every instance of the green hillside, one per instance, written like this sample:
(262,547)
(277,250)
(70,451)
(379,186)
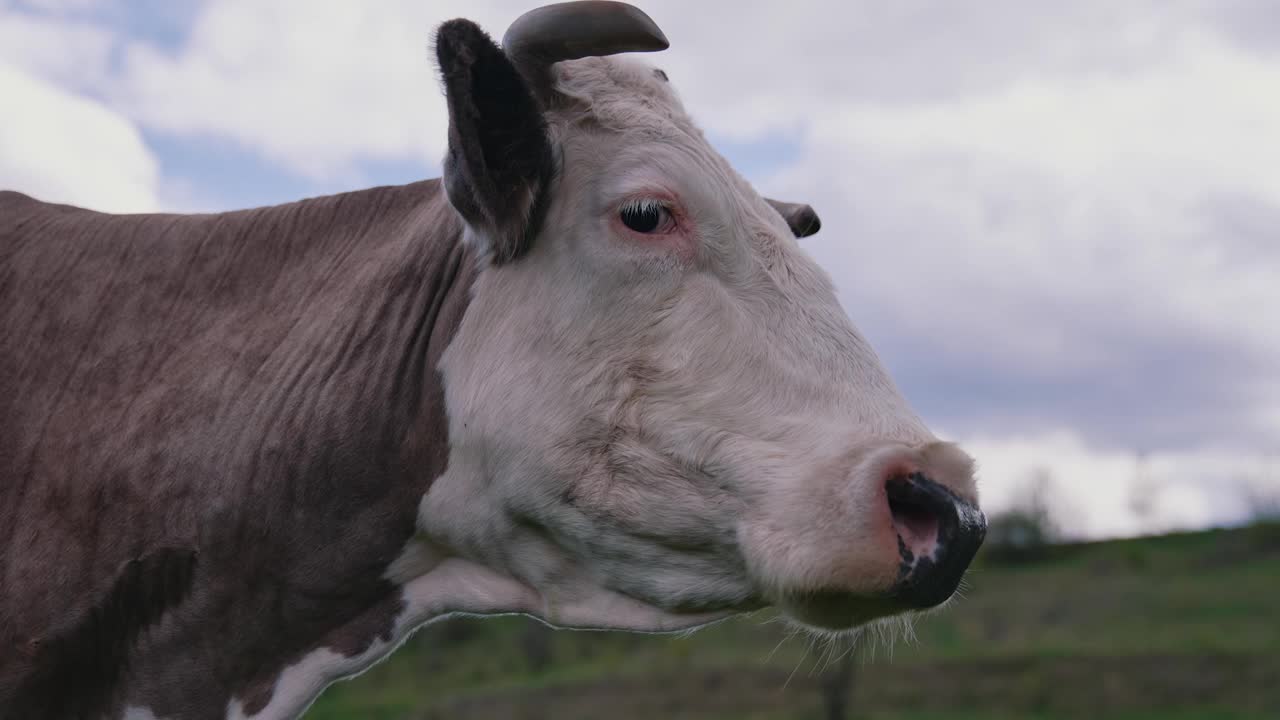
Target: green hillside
(1175,627)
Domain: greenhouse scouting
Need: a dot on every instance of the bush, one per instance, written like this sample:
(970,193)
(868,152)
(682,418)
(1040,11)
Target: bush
(1026,532)
(1019,536)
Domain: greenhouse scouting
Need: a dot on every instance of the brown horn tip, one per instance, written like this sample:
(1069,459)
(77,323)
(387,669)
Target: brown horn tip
(572,30)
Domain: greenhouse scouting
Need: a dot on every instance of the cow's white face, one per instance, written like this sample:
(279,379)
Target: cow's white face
(659,413)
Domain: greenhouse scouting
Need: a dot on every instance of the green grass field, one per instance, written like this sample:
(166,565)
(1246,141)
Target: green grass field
(1170,628)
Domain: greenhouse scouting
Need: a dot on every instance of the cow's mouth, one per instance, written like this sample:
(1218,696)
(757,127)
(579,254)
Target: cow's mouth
(837,609)
(937,534)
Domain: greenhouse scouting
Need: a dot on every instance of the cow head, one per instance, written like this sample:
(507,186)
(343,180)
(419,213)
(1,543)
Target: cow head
(659,414)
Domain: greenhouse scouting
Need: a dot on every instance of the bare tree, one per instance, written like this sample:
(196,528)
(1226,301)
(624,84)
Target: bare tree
(1143,492)
(1262,496)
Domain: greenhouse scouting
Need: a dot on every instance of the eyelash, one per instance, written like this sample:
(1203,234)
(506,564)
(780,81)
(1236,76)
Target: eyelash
(642,204)
(636,214)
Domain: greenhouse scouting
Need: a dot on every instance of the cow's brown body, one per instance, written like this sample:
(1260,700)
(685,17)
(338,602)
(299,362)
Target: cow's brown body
(214,431)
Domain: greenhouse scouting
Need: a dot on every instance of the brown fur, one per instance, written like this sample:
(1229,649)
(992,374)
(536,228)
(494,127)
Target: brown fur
(254,389)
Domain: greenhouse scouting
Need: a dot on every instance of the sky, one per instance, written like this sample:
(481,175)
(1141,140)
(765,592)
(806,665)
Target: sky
(1058,223)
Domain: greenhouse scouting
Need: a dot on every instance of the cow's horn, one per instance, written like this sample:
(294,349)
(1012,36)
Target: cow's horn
(571,30)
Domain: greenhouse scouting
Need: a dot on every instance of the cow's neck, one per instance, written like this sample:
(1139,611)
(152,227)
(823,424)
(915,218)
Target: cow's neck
(375,439)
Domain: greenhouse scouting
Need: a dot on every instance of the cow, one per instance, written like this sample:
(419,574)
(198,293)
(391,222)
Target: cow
(589,376)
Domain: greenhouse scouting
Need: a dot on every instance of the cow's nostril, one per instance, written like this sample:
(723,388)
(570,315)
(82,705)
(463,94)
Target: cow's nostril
(914,520)
(938,534)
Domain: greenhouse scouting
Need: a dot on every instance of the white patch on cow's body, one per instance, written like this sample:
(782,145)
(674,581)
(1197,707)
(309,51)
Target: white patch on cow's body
(445,585)
(300,684)
(435,587)
(441,586)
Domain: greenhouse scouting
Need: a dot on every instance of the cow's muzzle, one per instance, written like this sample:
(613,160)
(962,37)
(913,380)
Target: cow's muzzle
(938,535)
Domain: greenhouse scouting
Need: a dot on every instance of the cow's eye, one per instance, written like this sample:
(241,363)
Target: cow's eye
(645,216)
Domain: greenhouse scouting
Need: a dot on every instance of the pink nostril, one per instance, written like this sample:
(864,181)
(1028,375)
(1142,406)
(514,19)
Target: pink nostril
(917,516)
(916,524)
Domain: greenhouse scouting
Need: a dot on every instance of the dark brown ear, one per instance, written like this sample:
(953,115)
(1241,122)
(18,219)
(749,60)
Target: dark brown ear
(801,218)
(499,161)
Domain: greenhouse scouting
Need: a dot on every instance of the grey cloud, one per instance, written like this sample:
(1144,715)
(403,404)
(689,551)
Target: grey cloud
(1251,23)
(1247,227)
(1160,393)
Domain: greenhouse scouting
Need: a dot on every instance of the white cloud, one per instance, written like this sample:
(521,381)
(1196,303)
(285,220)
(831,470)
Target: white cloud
(316,86)
(60,147)
(1207,111)
(772,65)
(68,52)
(1095,493)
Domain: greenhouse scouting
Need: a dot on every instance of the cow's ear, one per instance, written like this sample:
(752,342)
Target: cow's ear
(801,218)
(499,161)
